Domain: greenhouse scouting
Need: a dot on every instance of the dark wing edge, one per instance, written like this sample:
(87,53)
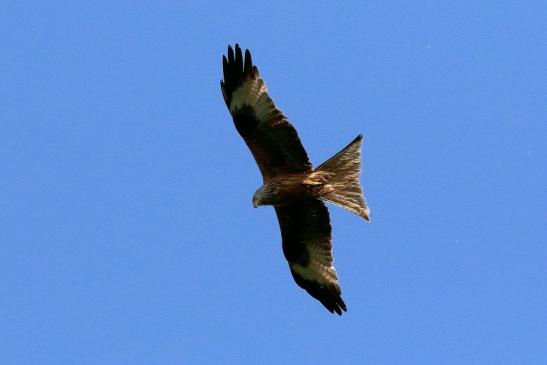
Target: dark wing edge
(272,139)
(236,70)
(306,240)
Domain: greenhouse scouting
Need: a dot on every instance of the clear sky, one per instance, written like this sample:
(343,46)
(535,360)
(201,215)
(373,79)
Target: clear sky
(127,232)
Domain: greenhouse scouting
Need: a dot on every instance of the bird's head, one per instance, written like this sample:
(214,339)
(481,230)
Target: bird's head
(257,199)
(263,196)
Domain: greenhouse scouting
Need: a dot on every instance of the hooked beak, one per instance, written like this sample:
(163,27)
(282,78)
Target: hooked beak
(254,203)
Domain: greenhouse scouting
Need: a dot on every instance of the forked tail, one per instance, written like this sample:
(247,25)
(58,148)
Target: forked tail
(341,182)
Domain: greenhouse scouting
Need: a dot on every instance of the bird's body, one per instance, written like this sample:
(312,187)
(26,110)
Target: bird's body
(289,188)
(290,184)
(282,189)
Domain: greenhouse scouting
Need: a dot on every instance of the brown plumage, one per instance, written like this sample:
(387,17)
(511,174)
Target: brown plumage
(291,185)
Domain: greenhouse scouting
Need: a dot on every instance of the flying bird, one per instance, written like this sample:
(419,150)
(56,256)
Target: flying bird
(295,189)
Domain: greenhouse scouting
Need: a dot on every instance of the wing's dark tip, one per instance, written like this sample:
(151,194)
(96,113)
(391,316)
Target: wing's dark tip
(248,62)
(236,69)
(330,297)
(333,302)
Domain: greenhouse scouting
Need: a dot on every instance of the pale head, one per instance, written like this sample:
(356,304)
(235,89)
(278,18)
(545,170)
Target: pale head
(265,195)
(258,197)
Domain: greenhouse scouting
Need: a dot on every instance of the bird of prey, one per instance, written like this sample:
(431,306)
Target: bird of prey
(290,184)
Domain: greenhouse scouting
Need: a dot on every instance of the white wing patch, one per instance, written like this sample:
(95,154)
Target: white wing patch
(316,271)
(253,92)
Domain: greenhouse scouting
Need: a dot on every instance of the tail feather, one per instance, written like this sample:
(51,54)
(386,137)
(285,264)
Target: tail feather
(341,174)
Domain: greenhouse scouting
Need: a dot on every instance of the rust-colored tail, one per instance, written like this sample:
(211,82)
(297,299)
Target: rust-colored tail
(341,180)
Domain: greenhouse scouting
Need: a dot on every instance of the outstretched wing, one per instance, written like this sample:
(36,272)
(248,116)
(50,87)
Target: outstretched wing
(306,234)
(273,141)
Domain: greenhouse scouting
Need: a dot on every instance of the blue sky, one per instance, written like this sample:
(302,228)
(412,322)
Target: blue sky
(126,225)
